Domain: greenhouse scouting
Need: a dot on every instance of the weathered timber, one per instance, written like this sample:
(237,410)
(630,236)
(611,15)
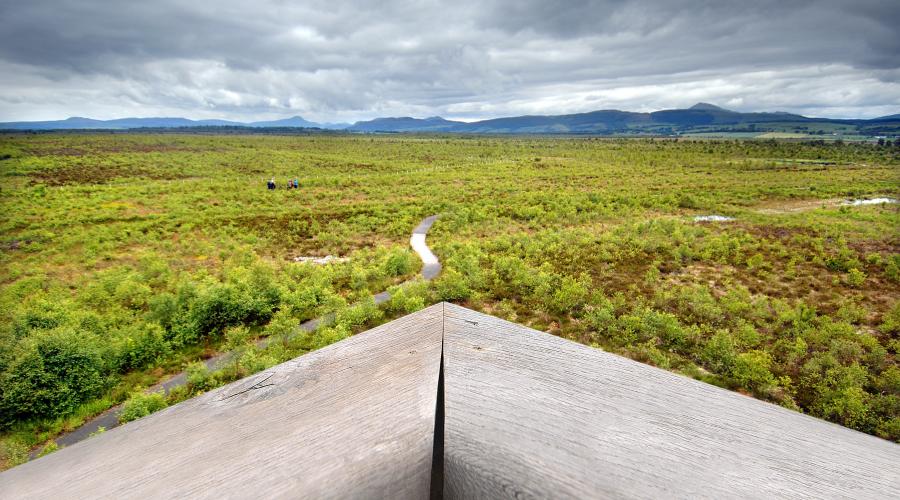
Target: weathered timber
(352,420)
(522,414)
(530,415)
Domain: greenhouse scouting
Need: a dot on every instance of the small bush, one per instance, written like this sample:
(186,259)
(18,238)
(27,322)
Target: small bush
(890,323)
(751,370)
(452,285)
(329,335)
(200,379)
(399,263)
(718,353)
(48,449)
(407,298)
(563,294)
(52,374)
(856,278)
(142,346)
(282,324)
(141,404)
(892,269)
(358,314)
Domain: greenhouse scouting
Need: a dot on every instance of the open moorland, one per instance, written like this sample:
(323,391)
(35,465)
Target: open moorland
(129,258)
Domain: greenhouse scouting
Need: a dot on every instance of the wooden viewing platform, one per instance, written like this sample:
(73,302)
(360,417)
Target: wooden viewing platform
(450,402)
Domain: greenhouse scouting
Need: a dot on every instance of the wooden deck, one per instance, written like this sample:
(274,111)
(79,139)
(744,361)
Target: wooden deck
(522,414)
(533,416)
(352,420)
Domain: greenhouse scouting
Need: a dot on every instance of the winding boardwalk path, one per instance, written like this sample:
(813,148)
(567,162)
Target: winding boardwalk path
(431,267)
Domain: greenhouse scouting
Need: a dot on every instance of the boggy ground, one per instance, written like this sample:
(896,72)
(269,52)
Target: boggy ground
(128,257)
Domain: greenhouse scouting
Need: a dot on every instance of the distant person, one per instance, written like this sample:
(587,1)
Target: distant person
(290,184)
(271,184)
(296,184)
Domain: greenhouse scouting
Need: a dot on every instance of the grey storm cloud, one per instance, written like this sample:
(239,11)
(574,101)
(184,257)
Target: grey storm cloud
(334,60)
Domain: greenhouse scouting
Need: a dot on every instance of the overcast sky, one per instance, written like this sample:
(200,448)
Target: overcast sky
(332,60)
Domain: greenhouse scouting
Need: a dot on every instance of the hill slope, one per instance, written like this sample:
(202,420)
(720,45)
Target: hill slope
(703,118)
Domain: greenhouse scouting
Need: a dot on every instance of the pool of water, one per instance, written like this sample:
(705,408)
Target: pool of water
(712,218)
(870,201)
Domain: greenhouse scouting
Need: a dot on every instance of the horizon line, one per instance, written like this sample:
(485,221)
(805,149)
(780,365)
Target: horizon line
(455,119)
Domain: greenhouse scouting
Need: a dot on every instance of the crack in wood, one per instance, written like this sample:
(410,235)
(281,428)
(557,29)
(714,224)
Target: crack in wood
(255,386)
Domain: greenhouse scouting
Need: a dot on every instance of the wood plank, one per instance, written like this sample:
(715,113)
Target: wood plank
(352,420)
(531,415)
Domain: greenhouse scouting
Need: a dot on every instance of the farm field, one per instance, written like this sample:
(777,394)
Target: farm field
(127,258)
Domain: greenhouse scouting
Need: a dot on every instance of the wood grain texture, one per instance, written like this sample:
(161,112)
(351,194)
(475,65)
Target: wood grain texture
(352,420)
(530,415)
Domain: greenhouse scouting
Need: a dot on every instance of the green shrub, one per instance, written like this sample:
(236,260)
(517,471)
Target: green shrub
(601,318)
(43,314)
(51,374)
(329,335)
(890,323)
(718,354)
(834,391)
(889,429)
(856,278)
(451,285)
(399,263)
(562,294)
(132,293)
(141,404)
(889,381)
(253,360)
(892,268)
(143,345)
(200,379)
(164,309)
(282,324)
(757,263)
(311,298)
(358,314)
(846,405)
(512,278)
(48,449)
(751,370)
(237,337)
(649,353)
(407,298)
(249,297)
(216,308)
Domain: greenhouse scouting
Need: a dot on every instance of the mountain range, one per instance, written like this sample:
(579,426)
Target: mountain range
(79,123)
(700,118)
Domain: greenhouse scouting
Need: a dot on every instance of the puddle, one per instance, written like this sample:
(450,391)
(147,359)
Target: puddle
(870,201)
(328,259)
(712,218)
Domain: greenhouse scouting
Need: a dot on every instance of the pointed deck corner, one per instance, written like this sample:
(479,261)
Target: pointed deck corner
(451,403)
(345,421)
